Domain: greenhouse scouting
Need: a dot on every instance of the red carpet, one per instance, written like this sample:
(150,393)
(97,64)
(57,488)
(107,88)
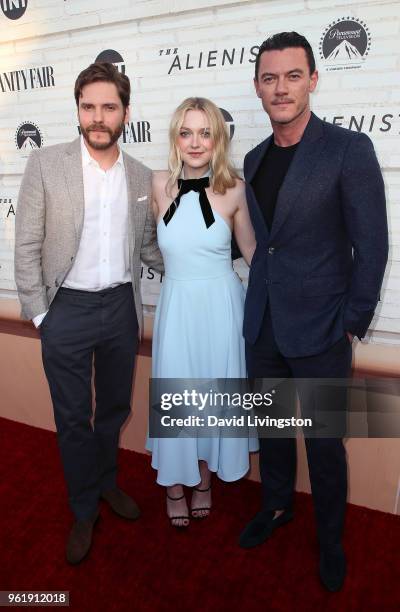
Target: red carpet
(150,566)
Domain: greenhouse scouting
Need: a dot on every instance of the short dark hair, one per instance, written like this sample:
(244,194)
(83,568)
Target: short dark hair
(103,71)
(285,40)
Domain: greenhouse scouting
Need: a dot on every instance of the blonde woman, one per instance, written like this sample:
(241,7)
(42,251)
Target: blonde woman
(198,203)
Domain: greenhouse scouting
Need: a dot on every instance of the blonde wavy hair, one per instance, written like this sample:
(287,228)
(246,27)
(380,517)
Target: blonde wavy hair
(223,175)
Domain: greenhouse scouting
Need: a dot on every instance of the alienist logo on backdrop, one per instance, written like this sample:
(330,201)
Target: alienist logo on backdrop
(369,123)
(7,207)
(28,137)
(109,55)
(208,58)
(13,9)
(345,44)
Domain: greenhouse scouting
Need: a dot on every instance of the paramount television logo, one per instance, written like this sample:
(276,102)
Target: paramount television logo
(345,44)
(28,136)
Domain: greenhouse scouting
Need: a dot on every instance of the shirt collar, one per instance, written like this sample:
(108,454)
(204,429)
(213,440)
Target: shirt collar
(88,160)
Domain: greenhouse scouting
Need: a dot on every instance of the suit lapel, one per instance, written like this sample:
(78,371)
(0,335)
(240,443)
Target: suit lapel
(256,159)
(256,214)
(304,160)
(252,202)
(132,190)
(74,180)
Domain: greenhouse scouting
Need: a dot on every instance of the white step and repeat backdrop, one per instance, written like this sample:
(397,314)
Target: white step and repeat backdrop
(175,48)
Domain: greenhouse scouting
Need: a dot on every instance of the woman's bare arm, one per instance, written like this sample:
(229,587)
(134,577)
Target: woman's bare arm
(242,226)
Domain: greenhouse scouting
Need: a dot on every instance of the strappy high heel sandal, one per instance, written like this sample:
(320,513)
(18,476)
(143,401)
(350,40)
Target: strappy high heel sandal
(175,518)
(203,508)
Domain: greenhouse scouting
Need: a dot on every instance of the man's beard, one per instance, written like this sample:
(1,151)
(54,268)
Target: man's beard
(102,146)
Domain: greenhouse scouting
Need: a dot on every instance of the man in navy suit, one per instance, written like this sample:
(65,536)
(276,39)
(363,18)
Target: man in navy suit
(316,198)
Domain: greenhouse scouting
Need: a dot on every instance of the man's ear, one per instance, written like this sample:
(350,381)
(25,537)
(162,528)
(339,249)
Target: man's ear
(127,114)
(313,80)
(255,81)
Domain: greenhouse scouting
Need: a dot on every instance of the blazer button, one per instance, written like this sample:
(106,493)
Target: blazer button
(271,250)
(56,283)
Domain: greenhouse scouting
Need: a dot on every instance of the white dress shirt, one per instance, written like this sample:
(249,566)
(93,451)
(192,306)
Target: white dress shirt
(102,260)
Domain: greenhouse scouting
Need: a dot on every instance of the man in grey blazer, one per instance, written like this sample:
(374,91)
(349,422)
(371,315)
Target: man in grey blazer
(84,222)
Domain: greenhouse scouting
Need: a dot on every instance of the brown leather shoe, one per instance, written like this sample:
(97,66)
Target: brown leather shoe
(121,504)
(80,540)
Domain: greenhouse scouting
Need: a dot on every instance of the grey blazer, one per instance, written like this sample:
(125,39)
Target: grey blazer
(49,221)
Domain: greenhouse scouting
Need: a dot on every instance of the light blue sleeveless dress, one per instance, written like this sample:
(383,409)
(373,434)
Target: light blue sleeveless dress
(198,334)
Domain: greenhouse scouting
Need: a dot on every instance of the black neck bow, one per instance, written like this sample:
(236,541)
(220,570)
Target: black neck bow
(198,185)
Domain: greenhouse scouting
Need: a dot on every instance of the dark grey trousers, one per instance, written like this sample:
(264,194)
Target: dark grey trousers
(85,333)
(326,456)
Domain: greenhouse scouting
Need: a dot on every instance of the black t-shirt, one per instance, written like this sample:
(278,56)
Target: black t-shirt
(270,176)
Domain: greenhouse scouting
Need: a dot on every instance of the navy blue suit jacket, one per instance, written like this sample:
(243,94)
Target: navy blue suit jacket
(321,266)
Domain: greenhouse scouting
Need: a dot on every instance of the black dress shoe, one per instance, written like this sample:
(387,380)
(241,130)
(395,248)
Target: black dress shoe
(332,570)
(80,540)
(121,504)
(261,527)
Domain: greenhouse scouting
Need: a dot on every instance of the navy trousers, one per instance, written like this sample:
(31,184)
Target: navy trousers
(86,333)
(326,456)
